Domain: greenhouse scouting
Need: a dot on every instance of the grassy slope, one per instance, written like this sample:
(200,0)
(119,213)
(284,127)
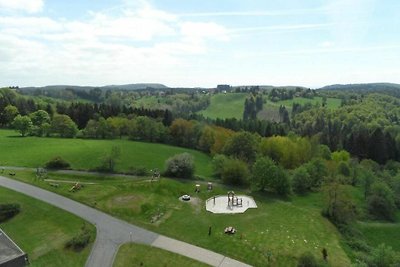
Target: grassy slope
(41,230)
(141,255)
(231,106)
(87,154)
(270,228)
(331,102)
(225,106)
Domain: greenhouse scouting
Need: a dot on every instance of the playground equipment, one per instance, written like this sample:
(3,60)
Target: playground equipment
(77,186)
(156,175)
(234,200)
(209,186)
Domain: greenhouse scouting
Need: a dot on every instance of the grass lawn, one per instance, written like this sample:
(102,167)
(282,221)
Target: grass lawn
(142,255)
(332,103)
(284,228)
(224,106)
(377,233)
(42,230)
(86,154)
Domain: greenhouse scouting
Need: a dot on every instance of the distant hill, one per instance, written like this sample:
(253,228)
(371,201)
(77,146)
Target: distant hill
(391,89)
(362,87)
(133,86)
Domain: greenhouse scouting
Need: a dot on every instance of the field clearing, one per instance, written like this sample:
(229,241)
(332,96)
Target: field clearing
(84,154)
(231,105)
(225,106)
(142,255)
(42,230)
(283,228)
(331,103)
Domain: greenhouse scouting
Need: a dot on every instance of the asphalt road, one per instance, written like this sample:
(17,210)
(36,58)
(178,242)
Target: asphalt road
(112,232)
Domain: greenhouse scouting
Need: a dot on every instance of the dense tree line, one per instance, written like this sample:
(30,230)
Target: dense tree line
(368,129)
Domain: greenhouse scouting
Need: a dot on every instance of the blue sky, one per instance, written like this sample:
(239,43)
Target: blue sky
(199,43)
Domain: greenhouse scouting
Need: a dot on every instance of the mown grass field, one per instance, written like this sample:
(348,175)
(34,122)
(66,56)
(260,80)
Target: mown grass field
(42,230)
(231,105)
(141,255)
(87,154)
(285,228)
(225,106)
(331,103)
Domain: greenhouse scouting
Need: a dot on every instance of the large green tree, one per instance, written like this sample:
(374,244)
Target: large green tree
(242,145)
(22,124)
(63,126)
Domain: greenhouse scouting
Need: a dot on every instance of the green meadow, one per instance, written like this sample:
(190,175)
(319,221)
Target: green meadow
(281,228)
(225,106)
(141,255)
(86,154)
(42,230)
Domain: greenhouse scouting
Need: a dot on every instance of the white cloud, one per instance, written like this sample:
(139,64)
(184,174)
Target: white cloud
(30,6)
(140,44)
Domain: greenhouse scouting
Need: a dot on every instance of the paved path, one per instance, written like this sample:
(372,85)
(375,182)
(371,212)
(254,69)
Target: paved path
(112,232)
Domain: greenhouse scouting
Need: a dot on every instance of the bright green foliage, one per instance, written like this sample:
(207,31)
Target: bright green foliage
(41,123)
(341,155)
(263,169)
(344,168)
(218,164)
(243,146)
(340,208)
(145,128)
(384,256)
(301,181)
(9,113)
(22,124)
(381,203)
(63,126)
(110,159)
(290,152)
(318,171)
(235,172)
(181,166)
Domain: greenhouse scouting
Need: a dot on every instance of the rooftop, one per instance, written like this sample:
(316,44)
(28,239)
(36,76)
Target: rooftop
(8,249)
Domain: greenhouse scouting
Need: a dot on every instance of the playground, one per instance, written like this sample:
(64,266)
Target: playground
(230,203)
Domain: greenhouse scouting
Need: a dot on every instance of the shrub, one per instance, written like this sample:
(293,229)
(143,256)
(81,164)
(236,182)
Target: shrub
(7,211)
(180,166)
(139,171)
(58,163)
(307,260)
(381,204)
(235,172)
(301,181)
(218,163)
(81,240)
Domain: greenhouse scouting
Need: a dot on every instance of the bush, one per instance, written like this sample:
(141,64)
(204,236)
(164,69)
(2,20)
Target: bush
(301,181)
(58,163)
(218,163)
(307,260)
(81,240)
(235,172)
(7,211)
(180,166)
(381,204)
(139,171)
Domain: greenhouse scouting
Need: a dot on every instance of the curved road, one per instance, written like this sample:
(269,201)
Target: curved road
(112,232)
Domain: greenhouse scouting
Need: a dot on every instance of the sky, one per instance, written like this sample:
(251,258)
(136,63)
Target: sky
(187,43)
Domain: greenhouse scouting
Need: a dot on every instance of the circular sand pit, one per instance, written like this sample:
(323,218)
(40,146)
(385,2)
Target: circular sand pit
(225,204)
